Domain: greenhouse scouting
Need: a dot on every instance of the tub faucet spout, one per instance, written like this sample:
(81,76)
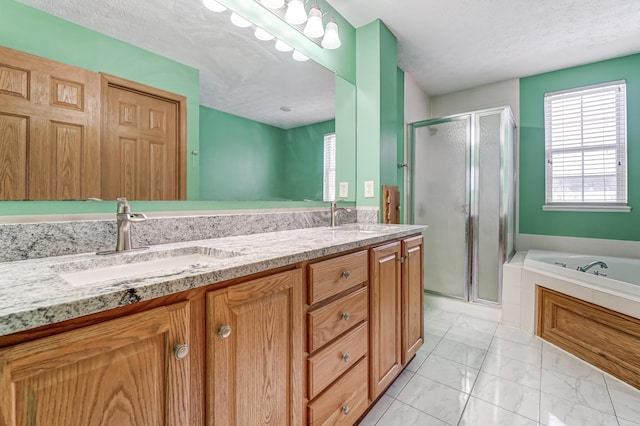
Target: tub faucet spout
(590,265)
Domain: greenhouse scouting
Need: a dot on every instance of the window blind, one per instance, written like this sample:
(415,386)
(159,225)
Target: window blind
(329,175)
(586,145)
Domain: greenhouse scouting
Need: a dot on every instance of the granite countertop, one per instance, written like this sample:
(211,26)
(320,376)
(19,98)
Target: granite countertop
(45,291)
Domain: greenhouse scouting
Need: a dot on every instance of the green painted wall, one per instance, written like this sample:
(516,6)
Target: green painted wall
(377,109)
(304,160)
(29,30)
(400,171)
(243,160)
(240,159)
(346,136)
(619,226)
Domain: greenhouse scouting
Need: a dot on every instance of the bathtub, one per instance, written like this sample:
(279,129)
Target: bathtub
(622,275)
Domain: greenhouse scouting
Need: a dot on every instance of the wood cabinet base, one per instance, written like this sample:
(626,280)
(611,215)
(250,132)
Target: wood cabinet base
(607,339)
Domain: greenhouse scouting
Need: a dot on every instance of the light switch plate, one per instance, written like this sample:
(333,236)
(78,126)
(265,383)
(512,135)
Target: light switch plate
(368,189)
(344,190)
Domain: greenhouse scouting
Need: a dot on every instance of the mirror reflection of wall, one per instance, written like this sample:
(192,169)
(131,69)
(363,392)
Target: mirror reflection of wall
(243,82)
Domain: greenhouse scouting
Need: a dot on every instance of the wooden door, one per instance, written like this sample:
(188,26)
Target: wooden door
(49,129)
(119,373)
(412,298)
(385,317)
(142,150)
(255,366)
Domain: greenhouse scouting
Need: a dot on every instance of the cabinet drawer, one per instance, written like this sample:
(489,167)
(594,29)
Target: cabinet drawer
(336,275)
(345,401)
(331,320)
(336,358)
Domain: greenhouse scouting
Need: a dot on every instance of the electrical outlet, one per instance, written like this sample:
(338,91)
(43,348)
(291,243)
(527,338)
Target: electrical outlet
(368,189)
(344,190)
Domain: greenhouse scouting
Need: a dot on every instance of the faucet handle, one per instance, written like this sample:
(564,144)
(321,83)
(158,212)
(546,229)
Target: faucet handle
(123,205)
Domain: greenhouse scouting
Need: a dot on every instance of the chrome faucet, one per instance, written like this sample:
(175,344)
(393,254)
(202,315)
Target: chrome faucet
(334,211)
(124,219)
(590,265)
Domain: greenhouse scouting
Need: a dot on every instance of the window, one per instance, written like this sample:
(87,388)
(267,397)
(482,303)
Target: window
(586,145)
(329,176)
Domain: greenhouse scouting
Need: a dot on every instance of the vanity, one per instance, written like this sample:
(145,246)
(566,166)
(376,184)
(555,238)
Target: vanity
(304,326)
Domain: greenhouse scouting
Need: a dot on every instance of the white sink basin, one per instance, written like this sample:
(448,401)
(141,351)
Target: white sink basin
(136,265)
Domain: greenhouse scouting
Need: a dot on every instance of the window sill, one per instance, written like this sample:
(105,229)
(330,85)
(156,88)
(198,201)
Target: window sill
(586,208)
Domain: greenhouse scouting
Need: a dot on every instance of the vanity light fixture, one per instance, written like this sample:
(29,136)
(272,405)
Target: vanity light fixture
(331,39)
(293,12)
(273,4)
(314,28)
(214,6)
(262,34)
(300,57)
(282,46)
(239,21)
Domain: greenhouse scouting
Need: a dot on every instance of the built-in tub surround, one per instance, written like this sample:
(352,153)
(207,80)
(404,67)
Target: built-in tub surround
(39,292)
(20,241)
(539,268)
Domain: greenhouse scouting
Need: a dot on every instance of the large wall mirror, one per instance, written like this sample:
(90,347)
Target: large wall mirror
(263,116)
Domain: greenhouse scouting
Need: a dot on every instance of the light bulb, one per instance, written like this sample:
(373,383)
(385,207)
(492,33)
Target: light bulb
(282,46)
(295,13)
(300,57)
(214,6)
(314,28)
(239,21)
(262,34)
(273,4)
(331,38)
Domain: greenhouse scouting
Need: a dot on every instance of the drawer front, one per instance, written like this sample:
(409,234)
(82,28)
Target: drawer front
(336,275)
(345,401)
(332,320)
(336,358)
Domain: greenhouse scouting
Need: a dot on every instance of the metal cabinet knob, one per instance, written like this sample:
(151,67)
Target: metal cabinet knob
(401,259)
(345,316)
(181,351)
(224,331)
(346,357)
(346,274)
(345,410)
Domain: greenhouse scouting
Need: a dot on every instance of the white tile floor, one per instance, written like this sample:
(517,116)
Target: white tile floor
(476,372)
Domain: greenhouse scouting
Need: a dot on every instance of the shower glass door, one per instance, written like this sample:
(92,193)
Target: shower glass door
(440,188)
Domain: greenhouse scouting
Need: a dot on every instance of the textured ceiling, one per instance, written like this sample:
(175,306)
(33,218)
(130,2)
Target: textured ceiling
(238,73)
(451,45)
(447,45)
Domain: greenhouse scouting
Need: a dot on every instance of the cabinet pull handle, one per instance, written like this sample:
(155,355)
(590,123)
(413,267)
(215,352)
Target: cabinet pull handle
(346,357)
(224,331)
(345,316)
(346,274)
(345,410)
(181,351)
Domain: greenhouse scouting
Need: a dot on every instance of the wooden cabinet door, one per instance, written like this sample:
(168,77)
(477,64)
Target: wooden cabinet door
(254,352)
(385,317)
(119,373)
(412,297)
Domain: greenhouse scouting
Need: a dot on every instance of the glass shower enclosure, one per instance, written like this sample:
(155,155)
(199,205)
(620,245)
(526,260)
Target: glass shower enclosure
(462,185)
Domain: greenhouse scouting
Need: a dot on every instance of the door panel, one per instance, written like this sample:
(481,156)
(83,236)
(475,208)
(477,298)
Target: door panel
(441,200)
(140,149)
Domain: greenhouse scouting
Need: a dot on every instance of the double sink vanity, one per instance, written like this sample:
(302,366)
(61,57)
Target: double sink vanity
(302,326)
